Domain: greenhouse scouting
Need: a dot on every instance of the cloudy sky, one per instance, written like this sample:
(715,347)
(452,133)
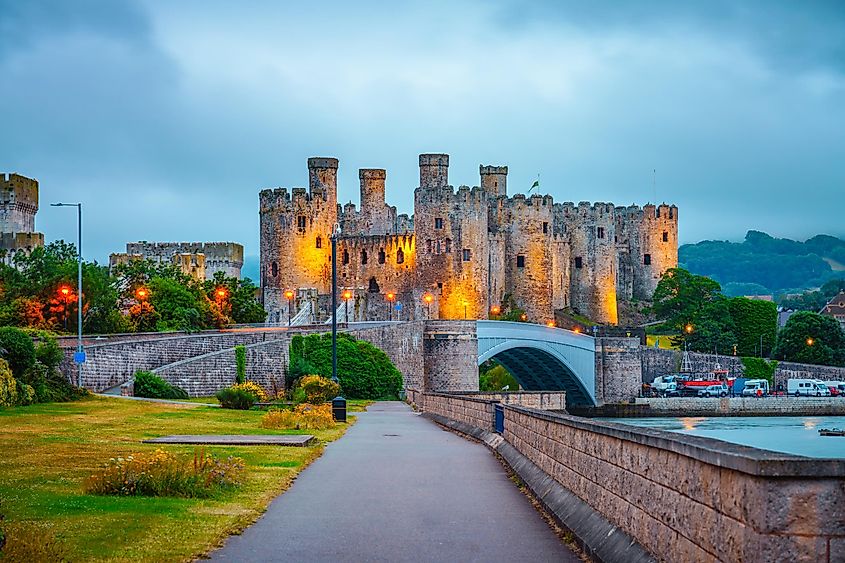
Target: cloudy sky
(166,118)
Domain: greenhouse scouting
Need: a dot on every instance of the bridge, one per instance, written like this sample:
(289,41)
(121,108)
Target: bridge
(432,356)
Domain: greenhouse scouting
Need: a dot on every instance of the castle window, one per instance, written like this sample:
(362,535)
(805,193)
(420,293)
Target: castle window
(381,256)
(439,285)
(600,232)
(274,269)
(665,236)
(345,257)
(438,222)
(438,247)
(400,256)
(319,242)
(520,261)
(363,257)
(373,287)
(647,259)
(578,262)
(545,227)
(467,254)
(448,246)
(428,246)
(300,223)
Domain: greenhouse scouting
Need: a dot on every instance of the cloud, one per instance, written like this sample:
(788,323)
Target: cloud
(167,118)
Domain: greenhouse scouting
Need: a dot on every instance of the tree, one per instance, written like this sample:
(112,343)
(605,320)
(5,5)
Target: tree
(242,305)
(179,307)
(17,349)
(811,338)
(754,319)
(492,376)
(680,297)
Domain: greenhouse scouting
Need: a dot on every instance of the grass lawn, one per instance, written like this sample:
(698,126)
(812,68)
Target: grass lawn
(47,450)
(662,340)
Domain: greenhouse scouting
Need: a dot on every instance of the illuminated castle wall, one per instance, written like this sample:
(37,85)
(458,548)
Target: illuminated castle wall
(471,249)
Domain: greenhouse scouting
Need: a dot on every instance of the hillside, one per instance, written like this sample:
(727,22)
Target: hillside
(762,264)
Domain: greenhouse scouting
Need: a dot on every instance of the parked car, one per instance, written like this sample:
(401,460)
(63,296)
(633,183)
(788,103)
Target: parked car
(755,387)
(671,390)
(837,388)
(807,388)
(714,391)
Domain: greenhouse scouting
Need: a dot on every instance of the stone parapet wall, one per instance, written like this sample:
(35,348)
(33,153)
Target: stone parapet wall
(475,412)
(544,400)
(618,369)
(266,363)
(689,498)
(403,344)
(743,406)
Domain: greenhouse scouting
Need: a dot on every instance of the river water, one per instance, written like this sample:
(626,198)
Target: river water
(789,434)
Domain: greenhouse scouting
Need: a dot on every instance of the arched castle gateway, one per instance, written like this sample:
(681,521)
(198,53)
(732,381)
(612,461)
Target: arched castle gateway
(468,248)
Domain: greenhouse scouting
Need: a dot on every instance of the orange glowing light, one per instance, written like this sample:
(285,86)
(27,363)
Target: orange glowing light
(289,294)
(551,324)
(577,330)
(141,293)
(221,293)
(391,296)
(688,328)
(496,309)
(347,295)
(64,290)
(523,317)
(428,298)
(810,342)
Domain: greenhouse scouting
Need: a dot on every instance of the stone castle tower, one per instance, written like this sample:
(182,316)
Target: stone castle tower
(18,206)
(464,252)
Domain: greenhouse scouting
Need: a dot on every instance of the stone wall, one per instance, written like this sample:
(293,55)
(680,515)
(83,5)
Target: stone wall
(266,363)
(683,498)
(472,411)
(544,400)
(690,498)
(618,369)
(657,361)
(403,344)
(108,365)
(451,356)
(743,406)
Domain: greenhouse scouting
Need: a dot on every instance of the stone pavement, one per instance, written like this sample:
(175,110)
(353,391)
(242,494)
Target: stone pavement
(397,487)
(295,440)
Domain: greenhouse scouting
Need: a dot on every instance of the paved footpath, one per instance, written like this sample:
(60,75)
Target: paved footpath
(397,487)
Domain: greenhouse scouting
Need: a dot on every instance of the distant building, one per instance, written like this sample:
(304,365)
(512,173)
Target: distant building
(200,260)
(836,308)
(18,206)
(760,297)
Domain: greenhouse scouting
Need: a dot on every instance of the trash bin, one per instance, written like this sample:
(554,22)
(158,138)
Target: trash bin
(339,409)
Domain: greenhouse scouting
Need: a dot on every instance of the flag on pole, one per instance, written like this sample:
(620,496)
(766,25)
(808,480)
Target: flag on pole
(536,184)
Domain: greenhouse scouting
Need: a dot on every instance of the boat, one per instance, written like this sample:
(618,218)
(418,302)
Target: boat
(831,432)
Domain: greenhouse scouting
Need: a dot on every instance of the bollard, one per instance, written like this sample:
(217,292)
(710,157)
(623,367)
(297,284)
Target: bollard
(339,409)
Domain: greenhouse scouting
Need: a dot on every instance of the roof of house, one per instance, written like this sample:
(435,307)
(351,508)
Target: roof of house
(835,307)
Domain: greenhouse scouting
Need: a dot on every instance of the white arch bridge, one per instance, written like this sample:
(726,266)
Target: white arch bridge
(542,358)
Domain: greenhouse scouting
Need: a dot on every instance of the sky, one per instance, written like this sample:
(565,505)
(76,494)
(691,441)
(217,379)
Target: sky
(166,118)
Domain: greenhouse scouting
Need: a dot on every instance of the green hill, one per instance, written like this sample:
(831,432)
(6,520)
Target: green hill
(762,264)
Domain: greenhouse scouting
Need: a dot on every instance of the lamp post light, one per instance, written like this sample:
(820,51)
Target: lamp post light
(810,341)
(551,324)
(141,293)
(428,298)
(338,403)
(79,357)
(289,295)
(391,297)
(65,293)
(523,317)
(495,310)
(347,295)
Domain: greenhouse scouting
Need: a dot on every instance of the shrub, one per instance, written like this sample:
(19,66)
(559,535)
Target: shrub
(26,394)
(318,389)
(254,388)
(234,398)
(240,363)
(148,384)
(161,473)
(50,385)
(16,347)
(758,368)
(304,416)
(8,386)
(49,353)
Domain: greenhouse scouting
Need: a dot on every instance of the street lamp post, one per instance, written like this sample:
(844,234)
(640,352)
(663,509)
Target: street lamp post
(289,295)
(390,298)
(428,298)
(79,357)
(338,403)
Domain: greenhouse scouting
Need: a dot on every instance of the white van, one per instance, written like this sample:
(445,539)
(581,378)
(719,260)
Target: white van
(753,385)
(807,388)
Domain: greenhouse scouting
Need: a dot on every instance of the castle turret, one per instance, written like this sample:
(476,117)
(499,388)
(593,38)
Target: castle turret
(376,217)
(18,206)
(434,170)
(322,182)
(494,180)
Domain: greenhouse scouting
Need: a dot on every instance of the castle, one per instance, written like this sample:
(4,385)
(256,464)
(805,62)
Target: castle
(18,206)
(462,253)
(196,259)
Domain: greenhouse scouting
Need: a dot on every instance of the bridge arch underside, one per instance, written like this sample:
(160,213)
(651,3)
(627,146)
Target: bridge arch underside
(538,370)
